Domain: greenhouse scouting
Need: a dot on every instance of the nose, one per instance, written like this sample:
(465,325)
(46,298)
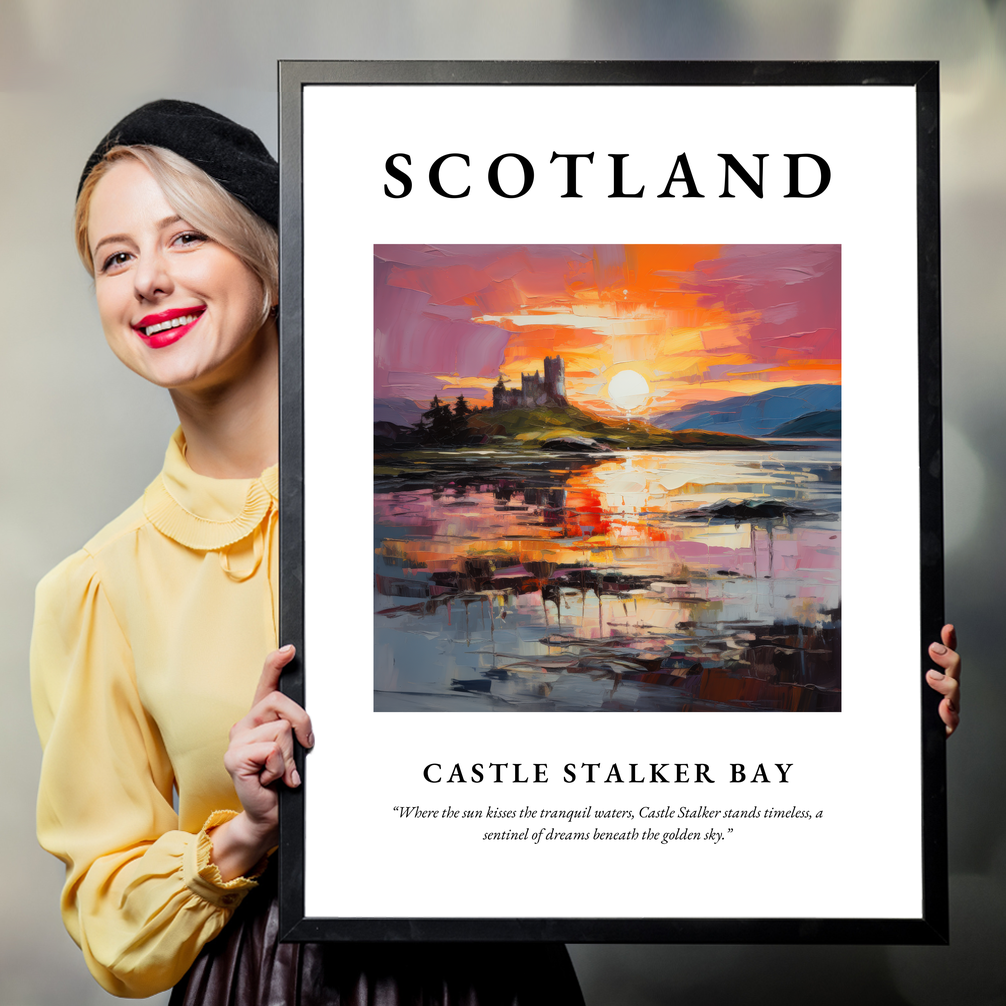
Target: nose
(152,276)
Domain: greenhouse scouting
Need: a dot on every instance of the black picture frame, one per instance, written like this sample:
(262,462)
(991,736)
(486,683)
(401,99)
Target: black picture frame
(931,926)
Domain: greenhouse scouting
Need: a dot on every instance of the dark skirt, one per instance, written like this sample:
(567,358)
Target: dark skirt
(246,965)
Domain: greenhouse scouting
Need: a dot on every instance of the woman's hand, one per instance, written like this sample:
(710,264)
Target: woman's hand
(260,753)
(947,682)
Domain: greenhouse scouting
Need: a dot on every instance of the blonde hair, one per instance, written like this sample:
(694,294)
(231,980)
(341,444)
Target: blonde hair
(199,200)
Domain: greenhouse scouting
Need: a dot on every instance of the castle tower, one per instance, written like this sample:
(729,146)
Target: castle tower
(535,389)
(531,388)
(555,377)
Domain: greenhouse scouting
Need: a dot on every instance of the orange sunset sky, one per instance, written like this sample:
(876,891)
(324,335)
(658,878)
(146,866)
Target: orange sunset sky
(696,322)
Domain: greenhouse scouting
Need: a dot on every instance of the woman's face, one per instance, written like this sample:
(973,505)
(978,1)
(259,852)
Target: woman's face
(177,308)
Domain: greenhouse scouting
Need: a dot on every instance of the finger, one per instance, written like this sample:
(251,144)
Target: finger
(279,732)
(950,716)
(271,670)
(259,760)
(274,765)
(949,636)
(276,706)
(948,659)
(944,684)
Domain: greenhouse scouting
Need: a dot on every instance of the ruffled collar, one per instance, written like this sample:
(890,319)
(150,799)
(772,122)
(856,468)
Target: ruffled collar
(203,513)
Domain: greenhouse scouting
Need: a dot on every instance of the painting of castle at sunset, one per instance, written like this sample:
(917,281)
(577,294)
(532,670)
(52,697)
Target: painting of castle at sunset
(534,391)
(607,478)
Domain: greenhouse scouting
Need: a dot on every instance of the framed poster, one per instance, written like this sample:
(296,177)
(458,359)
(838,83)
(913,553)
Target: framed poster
(611,499)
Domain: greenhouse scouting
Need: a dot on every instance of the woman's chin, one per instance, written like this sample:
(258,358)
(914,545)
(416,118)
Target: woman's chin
(196,365)
(172,374)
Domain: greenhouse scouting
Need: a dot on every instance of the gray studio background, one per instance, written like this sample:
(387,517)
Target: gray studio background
(81,436)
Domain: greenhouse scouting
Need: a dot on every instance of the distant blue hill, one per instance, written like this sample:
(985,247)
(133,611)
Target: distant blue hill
(754,415)
(813,424)
(400,411)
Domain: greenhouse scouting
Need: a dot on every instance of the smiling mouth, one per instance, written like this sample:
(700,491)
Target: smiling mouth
(164,326)
(167,327)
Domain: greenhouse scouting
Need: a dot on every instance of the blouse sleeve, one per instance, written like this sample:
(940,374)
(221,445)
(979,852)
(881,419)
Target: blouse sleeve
(141,898)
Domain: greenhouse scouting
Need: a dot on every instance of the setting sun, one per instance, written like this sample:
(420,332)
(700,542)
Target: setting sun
(628,390)
(692,323)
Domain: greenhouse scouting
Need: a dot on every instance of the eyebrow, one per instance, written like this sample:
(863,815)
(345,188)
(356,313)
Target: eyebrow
(111,238)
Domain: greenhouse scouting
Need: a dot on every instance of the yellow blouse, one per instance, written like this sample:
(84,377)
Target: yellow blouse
(147,647)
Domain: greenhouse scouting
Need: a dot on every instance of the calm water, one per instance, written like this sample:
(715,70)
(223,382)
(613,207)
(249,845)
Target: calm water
(691,580)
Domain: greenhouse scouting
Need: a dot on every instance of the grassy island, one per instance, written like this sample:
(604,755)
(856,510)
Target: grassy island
(570,428)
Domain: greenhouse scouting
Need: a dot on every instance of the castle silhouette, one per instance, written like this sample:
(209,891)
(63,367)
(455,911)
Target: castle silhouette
(534,390)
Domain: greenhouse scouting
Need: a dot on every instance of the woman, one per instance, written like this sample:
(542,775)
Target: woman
(149,642)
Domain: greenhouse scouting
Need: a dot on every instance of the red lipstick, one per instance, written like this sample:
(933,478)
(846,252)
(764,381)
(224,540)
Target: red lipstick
(166,326)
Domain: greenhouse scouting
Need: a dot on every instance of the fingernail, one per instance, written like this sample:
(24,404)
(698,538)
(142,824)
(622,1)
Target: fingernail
(287,649)
(938,648)
(936,675)
(295,777)
(310,740)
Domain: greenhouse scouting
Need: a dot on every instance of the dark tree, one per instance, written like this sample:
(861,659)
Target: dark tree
(439,415)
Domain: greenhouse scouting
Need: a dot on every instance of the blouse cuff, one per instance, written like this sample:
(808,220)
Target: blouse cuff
(202,876)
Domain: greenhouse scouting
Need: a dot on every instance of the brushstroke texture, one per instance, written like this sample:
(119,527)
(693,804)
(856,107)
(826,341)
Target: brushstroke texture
(544,542)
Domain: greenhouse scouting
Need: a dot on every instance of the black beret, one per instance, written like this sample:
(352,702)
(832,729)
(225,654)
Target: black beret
(231,154)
